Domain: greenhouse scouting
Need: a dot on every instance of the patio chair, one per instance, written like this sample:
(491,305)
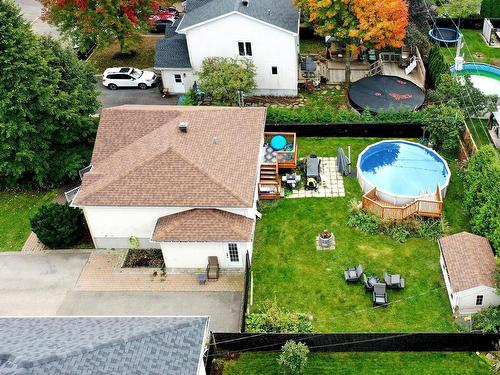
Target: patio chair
(379,294)
(394,281)
(213,268)
(370,282)
(353,274)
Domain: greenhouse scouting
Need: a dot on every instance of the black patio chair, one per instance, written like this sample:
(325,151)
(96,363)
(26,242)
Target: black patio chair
(379,294)
(370,282)
(353,274)
(394,281)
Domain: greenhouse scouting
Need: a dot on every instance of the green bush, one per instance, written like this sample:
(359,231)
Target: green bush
(490,9)
(272,318)
(445,124)
(58,226)
(482,194)
(437,65)
(417,38)
(293,357)
(431,229)
(191,98)
(488,320)
(365,221)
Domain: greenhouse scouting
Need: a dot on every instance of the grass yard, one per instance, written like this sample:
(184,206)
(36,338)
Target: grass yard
(478,128)
(287,266)
(365,363)
(475,49)
(16,209)
(312,46)
(145,57)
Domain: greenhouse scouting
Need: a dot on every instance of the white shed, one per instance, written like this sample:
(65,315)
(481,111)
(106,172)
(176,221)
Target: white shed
(467,261)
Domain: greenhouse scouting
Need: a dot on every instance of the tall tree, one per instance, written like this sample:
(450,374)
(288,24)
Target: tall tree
(102,20)
(46,98)
(377,24)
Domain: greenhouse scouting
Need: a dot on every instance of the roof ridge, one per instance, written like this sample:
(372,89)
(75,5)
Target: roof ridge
(85,350)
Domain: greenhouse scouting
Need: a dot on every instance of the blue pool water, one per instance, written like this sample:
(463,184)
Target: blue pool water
(403,168)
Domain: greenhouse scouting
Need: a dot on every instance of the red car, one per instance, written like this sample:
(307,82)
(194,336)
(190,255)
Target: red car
(164,14)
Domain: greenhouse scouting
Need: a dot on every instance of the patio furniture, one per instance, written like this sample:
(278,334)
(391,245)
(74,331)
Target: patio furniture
(394,281)
(370,281)
(202,278)
(213,268)
(353,274)
(379,295)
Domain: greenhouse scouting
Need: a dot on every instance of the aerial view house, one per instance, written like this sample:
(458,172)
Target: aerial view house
(467,262)
(267,32)
(166,345)
(183,179)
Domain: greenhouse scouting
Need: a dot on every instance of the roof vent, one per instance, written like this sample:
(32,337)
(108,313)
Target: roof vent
(244,2)
(183,127)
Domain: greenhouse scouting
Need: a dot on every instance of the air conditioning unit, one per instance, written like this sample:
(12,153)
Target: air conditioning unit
(183,127)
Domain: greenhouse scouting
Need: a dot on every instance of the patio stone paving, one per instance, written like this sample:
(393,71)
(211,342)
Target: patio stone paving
(331,185)
(103,272)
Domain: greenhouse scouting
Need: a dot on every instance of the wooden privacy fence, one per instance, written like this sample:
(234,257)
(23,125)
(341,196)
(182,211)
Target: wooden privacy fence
(422,207)
(467,145)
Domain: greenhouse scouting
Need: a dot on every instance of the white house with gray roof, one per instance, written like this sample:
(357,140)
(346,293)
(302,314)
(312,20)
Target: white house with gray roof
(265,31)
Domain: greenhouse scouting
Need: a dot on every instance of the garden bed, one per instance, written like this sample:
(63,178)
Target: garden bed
(144,258)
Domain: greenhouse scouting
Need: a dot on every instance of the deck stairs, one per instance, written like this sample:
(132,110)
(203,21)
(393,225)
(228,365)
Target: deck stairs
(375,68)
(269,183)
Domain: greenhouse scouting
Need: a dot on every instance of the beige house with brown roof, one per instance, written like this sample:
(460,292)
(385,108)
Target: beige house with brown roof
(183,179)
(467,261)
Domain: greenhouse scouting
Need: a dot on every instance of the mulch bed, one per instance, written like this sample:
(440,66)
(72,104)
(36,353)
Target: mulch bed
(149,258)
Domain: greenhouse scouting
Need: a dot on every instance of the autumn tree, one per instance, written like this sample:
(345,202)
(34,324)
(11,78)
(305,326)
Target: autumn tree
(102,20)
(376,24)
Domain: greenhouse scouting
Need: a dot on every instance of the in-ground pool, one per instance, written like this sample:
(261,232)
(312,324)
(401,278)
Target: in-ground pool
(483,76)
(402,171)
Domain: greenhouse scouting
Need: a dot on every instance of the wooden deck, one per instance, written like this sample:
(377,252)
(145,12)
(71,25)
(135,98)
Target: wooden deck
(425,207)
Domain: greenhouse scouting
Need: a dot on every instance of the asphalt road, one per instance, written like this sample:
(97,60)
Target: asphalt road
(32,12)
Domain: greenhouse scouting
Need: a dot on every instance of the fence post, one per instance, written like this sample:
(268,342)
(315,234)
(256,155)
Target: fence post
(245,292)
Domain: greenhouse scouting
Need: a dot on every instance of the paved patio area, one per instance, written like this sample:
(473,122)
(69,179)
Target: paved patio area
(103,272)
(331,185)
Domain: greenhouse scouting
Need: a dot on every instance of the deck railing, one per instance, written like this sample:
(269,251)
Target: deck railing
(286,159)
(423,206)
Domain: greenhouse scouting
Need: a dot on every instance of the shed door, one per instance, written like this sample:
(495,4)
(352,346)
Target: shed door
(178,84)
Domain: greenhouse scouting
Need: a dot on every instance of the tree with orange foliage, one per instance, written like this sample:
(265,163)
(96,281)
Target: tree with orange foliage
(372,23)
(101,20)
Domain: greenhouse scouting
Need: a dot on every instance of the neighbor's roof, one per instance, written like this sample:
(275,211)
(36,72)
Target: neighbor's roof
(280,13)
(469,260)
(166,345)
(141,158)
(172,52)
(203,225)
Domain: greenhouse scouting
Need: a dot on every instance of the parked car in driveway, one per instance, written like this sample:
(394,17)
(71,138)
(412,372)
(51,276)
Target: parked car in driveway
(163,18)
(114,78)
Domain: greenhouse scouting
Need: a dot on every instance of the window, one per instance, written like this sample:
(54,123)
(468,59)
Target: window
(233,252)
(245,48)
(274,70)
(479,300)
(177,78)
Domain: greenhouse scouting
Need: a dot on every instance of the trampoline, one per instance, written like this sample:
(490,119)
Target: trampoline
(382,93)
(444,35)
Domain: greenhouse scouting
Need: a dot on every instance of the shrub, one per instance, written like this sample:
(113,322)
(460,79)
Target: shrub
(58,226)
(437,65)
(293,357)
(488,320)
(272,318)
(490,9)
(365,221)
(415,37)
(191,98)
(431,229)
(482,194)
(445,125)
(217,366)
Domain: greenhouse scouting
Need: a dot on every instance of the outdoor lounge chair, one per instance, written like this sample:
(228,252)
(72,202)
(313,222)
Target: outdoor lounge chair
(370,282)
(394,281)
(379,294)
(213,268)
(353,274)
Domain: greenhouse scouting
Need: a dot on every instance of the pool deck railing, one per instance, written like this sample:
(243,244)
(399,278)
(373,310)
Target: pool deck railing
(425,207)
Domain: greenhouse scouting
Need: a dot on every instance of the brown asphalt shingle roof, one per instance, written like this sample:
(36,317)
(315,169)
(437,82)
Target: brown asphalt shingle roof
(469,260)
(204,225)
(141,158)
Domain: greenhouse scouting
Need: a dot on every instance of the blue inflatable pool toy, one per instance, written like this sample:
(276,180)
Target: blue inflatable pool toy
(278,142)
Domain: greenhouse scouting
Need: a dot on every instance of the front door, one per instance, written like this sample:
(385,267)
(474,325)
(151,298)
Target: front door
(178,84)
(233,256)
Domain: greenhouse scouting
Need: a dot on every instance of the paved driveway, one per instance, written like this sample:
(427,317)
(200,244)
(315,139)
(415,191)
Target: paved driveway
(32,11)
(36,284)
(223,307)
(112,98)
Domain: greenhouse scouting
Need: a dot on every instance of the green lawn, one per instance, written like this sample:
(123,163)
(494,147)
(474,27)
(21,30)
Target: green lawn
(365,363)
(287,266)
(144,59)
(16,209)
(312,46)
(475,49)
(478,128)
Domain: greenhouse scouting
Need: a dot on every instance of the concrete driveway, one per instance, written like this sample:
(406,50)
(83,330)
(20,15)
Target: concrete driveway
(36,284)
(222,307)
(113,98)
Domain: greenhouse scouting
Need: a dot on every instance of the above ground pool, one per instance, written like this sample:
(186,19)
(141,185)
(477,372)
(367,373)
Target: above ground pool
(402,171)
(445,35)
(382,93)
(483,76)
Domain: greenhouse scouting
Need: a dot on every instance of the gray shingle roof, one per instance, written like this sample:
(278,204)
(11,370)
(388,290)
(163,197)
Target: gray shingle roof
(281,13)
(166,345)
(172,53)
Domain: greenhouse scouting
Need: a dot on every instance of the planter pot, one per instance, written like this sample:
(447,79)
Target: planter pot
(325,242)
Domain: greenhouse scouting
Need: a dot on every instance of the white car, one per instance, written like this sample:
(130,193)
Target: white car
(113,78)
